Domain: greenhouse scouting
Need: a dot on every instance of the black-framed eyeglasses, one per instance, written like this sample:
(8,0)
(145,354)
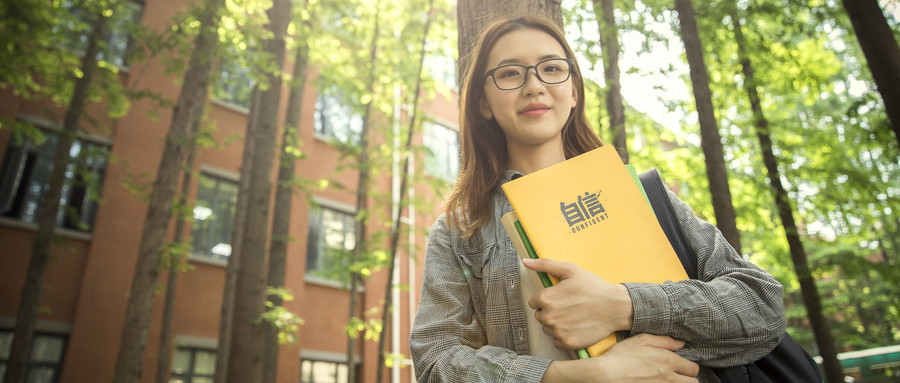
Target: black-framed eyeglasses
(513,76)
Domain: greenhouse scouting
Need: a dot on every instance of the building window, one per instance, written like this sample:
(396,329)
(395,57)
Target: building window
(440,67)
(25,176)
(317,371)
(118,38)
(335,119)
(330,242)
(234,84)
(45,360)
(193,365)
(442,152)
(213,217)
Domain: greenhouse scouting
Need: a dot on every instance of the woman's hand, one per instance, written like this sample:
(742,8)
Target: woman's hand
(641,358)
(582,308)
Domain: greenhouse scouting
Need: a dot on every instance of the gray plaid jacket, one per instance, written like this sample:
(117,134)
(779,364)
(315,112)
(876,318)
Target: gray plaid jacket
(470,324)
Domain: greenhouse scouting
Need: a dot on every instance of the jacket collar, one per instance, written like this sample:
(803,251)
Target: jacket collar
(510,175)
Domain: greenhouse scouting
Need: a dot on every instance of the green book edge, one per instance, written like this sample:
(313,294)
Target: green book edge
(637,180)
(581,353)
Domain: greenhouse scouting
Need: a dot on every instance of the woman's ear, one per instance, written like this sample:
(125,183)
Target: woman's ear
(574,98)
(485,110)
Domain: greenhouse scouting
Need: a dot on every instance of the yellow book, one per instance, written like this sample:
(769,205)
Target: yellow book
(588,210)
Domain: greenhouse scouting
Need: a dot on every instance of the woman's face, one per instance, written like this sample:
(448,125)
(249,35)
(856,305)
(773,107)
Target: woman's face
(534,114)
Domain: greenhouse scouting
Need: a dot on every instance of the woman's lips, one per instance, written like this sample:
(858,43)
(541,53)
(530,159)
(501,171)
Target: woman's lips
(534,110)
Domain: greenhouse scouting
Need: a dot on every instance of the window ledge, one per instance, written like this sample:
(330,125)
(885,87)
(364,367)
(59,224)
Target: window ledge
(62,232)
(206,260)
(322,137)
(325,282)
(331,140)
(191,341)
(41,325)
(232,106)
(326,356)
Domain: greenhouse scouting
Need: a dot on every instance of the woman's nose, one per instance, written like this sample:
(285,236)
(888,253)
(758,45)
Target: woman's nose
(533,84)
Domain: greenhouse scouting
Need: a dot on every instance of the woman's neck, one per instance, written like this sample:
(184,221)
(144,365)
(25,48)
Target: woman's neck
(529,159)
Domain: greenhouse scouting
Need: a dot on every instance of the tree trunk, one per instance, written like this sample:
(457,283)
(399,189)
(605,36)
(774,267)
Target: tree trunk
(882,53)
(246,349)
(234,259)
(808,289)
(175,257)
(710,140)
(284,192)
(404,179)
(362,197)
(26,318)
(185,117)
(472,16)
(609,42)
(820,326)
(891,234)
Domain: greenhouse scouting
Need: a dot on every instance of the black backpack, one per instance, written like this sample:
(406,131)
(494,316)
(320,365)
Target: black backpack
(788,362)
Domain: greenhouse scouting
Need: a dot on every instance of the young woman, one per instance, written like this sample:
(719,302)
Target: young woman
(523,110)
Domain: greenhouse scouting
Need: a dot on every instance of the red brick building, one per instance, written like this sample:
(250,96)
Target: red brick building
(87,284)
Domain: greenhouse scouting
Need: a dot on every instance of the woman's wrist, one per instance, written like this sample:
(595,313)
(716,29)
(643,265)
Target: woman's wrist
(625,307)
(577,370)
(550,375)
(559,371)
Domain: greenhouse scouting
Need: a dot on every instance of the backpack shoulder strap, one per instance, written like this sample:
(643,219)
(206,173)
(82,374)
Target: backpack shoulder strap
(665,214)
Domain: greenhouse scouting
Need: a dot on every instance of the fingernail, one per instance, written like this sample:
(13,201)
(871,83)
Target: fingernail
(527,261)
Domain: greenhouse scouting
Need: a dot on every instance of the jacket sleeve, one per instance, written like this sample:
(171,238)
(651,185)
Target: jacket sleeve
(732,314)
(448,341)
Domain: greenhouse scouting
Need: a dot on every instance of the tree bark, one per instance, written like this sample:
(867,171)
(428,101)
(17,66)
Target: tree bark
(165,333)
(809,291)
(362,198)
(609,42)
(284,192)
(185,115)
(472,16)
(234,259)
(710,140)
(404,179)
(882,54)
(29,304)
(246,349)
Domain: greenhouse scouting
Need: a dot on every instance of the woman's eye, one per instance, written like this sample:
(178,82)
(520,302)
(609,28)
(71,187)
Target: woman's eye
(551,68)
(508,72)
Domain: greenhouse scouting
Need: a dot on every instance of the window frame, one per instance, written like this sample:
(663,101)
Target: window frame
(230,64)
(29,156)
(442,69)
(219,176)
(314,361)
(75,36)
(317,208)
(449,166)
(31,365)
(191,374)
(121,58)
(333,99)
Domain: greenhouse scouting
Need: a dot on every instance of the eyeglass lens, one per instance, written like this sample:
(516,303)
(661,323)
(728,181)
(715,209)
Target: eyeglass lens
(513,76)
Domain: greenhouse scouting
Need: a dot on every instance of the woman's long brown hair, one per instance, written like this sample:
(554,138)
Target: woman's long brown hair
(484,154)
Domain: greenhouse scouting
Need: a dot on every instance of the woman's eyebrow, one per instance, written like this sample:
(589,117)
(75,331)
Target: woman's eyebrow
(517,61)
